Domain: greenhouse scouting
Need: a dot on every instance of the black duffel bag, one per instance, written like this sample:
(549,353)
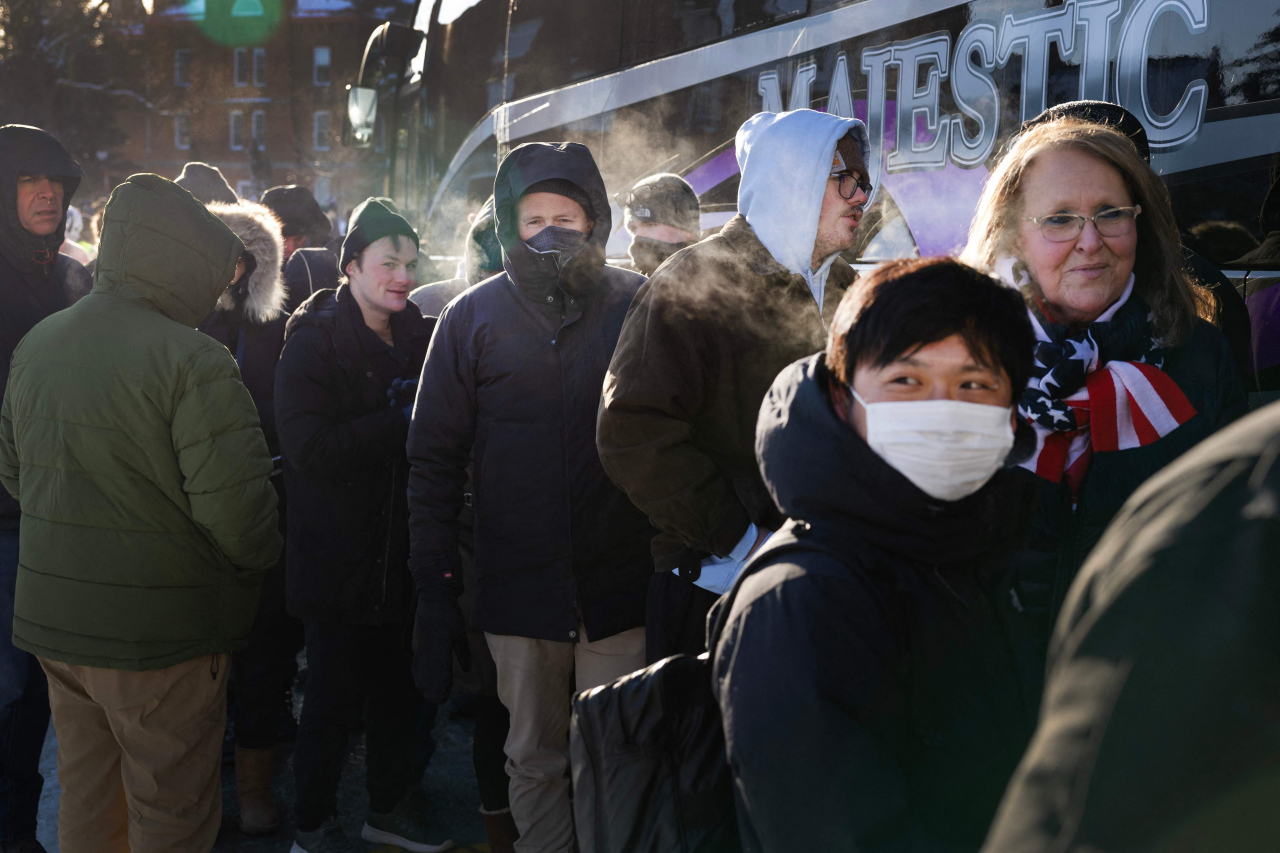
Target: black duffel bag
(650,773)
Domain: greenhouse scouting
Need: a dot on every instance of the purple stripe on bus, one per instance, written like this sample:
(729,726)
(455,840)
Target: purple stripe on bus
(938,205)
(1264,317)
(715,171)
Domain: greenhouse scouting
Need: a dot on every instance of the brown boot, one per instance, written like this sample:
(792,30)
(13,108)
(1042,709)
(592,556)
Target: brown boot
(254,769)
(501,829)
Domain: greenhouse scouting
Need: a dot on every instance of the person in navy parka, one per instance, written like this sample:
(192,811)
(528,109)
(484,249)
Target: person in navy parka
(515,372)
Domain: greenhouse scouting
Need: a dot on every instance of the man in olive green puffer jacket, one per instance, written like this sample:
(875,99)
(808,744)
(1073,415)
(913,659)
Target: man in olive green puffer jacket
(148,518)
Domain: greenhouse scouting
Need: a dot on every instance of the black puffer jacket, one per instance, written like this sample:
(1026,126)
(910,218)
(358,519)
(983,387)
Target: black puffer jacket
(1160,729)
(309,271)
(876,702)
(344,464)
(35,281)
(515,371)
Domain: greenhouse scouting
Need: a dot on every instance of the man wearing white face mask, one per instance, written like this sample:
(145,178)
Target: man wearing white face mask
(873,664)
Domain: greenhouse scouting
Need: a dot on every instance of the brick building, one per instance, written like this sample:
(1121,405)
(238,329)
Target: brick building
(258,89)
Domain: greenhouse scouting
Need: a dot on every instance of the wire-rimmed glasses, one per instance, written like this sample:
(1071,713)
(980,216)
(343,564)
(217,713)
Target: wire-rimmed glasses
(1065,227)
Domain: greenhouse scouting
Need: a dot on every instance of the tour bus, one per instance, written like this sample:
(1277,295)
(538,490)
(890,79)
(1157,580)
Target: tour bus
(662,86)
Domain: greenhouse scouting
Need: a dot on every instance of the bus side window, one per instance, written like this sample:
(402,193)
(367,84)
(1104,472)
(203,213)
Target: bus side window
(554,43)
(656,28)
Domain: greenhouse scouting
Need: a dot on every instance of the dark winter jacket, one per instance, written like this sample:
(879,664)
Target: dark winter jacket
(702,343)
(134,448)
(1062,535)
(309,271)
(432,298)
(31,290)
(875,702)
(345,471)
(515,372)
(249,319)
(1159,730)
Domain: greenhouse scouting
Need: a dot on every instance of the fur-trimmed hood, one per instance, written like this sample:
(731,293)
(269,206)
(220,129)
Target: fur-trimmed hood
(259,230)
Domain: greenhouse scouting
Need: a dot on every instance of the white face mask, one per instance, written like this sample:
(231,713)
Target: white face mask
(948,448)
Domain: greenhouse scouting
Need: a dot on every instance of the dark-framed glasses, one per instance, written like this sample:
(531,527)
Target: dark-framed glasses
(1065,227)
(850,184)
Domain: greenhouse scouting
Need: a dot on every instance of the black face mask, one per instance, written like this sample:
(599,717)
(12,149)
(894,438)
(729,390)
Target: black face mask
(648,254)
(564,242)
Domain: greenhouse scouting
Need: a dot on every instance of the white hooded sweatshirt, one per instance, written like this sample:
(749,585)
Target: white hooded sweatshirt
(785,160)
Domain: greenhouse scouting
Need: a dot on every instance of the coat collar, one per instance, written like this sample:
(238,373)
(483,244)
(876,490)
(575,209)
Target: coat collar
(742,241)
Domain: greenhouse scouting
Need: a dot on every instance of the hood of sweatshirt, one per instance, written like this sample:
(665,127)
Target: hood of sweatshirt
(531,163)
(37,152)
(818,469)
(259,230)
(785,160)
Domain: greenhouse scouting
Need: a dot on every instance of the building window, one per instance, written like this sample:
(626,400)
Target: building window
(320,130)
(242,66)
(247,190)
(182,67)
(237,130)
(258,129)
(259,66)
(321,191)
(182,131)
(320,66)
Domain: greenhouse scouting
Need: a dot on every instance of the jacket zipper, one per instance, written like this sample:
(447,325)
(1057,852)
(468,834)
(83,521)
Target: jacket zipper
(391,508)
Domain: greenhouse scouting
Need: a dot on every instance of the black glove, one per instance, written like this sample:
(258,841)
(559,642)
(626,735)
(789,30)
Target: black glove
(439,632)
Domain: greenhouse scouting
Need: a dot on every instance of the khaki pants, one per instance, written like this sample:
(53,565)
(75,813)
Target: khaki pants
(535,682)
(139,755)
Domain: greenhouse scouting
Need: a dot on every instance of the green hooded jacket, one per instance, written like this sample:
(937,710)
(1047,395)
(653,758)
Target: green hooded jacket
(148,514)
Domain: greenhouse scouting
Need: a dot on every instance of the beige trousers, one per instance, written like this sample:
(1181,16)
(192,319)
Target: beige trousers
(139,755)
(536,682)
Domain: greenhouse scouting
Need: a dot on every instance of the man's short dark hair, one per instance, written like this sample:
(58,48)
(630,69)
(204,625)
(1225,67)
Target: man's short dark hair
(905,305)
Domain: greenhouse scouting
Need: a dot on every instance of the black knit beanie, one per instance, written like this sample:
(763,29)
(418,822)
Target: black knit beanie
(371,221)
(568,189)
(663,199)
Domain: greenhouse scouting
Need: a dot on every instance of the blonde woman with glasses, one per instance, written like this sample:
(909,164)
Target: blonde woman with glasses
(1130,370)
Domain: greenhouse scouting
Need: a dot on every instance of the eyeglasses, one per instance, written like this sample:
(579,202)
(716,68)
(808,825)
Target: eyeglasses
(1065,227)
(850,184)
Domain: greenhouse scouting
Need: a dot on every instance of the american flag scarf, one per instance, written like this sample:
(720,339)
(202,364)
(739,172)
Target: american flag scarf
(1098,389)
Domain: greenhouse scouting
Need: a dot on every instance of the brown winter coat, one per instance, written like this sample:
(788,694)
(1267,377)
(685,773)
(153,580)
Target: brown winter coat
(702,343)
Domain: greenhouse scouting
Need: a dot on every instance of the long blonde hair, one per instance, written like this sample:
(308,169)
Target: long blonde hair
(1160,277)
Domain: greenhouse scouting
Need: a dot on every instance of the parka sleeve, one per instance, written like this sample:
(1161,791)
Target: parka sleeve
(655,389)
(440,440)
(225,464)
(317,443)
(8,447)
